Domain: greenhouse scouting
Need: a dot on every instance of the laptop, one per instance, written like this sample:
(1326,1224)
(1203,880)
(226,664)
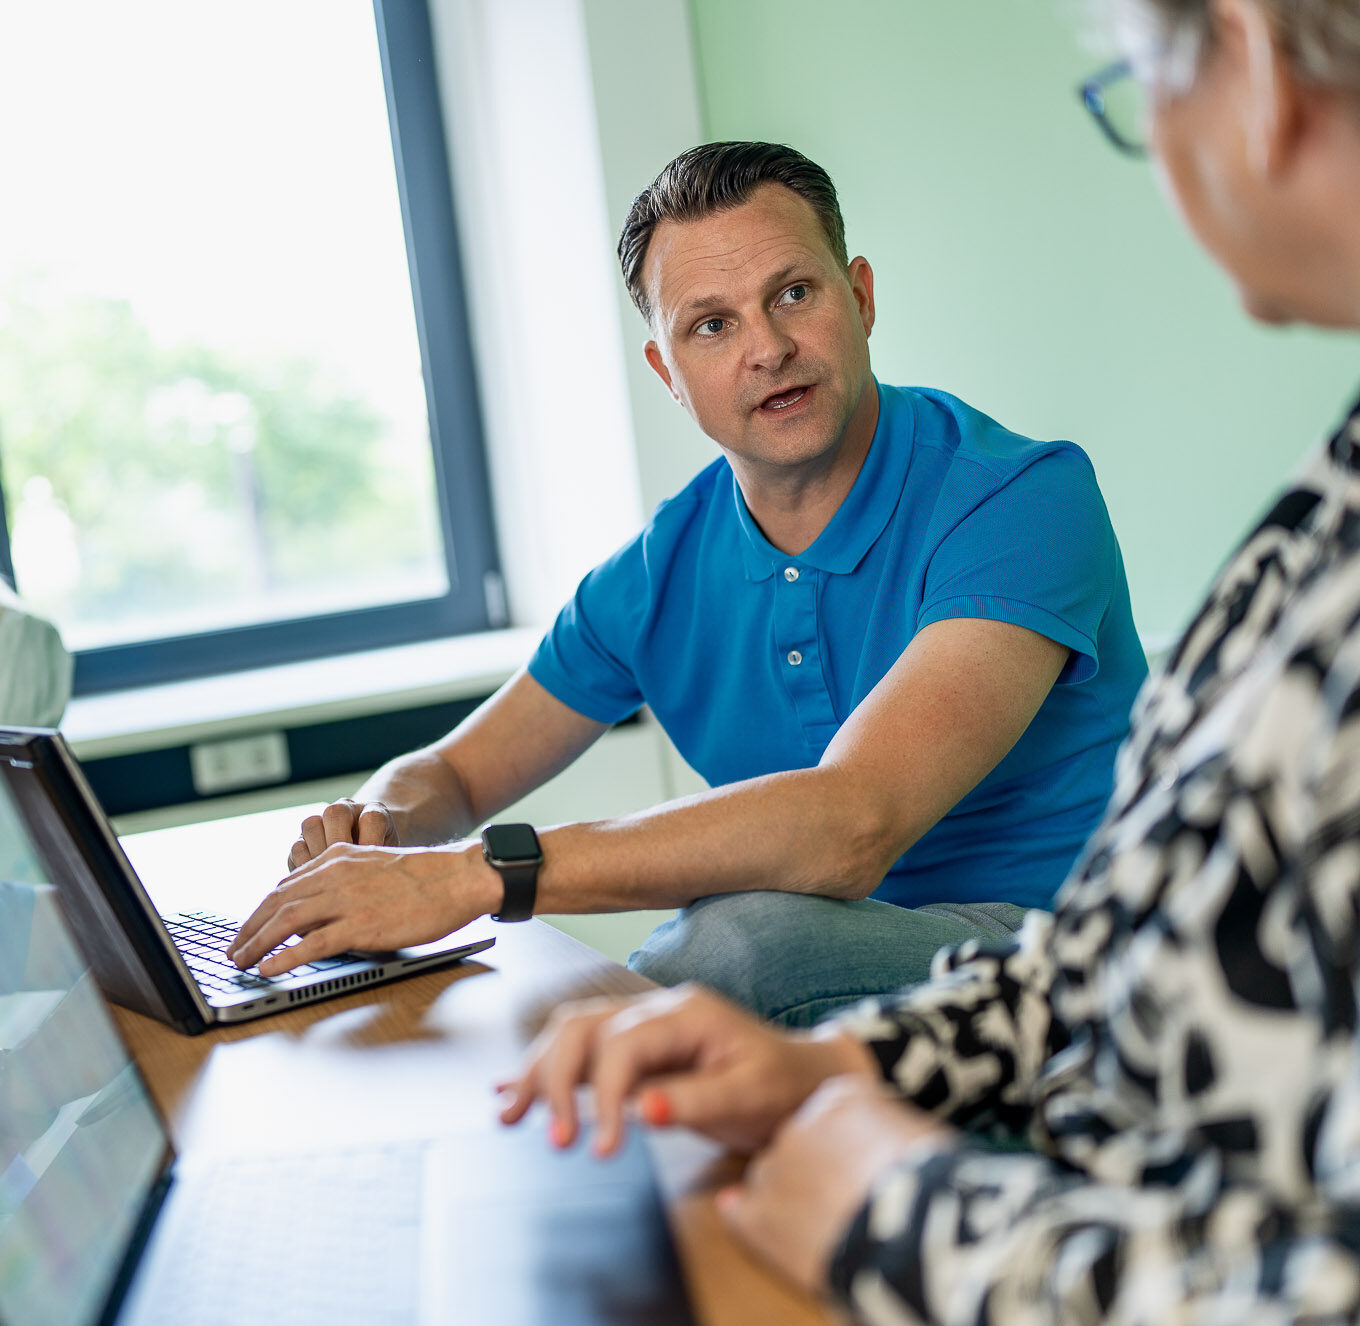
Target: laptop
(172,967)
(102,1225)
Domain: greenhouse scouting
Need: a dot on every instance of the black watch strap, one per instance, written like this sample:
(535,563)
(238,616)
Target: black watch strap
(513,851)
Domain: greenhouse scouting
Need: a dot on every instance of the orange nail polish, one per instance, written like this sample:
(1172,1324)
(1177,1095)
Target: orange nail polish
(655,1108)
(557,1134)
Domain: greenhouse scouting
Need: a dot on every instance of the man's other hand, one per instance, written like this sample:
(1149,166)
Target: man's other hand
(686,1057)
(369,824)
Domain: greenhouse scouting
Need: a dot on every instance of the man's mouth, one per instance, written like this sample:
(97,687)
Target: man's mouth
(783,399)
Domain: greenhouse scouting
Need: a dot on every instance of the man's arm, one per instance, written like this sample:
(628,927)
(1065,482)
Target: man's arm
(950,708)
(944,716)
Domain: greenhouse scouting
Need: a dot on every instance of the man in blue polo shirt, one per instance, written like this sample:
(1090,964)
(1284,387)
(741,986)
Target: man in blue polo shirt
(894,638)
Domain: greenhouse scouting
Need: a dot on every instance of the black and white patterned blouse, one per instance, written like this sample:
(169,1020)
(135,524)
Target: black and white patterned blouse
(1178,1043)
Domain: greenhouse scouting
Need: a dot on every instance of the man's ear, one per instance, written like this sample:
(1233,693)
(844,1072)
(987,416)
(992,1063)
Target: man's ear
(1273,108)
(861,278)
(653,353)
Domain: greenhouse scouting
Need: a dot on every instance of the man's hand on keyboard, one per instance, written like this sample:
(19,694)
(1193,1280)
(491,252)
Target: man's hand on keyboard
(345,821)
(368,897)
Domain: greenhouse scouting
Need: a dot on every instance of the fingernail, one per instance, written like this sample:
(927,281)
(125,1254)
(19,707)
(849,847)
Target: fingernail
(726,1198)
(655,1107)
(558,1134)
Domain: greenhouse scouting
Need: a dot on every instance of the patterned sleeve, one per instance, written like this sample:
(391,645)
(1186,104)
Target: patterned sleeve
(1208,1221)
(967,1045)
(980,1238)
(969,1236)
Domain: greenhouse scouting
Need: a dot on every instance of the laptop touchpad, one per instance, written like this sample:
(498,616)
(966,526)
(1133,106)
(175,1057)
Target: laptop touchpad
(532,1234)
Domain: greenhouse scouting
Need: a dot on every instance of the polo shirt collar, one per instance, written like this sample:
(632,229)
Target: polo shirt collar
(866,511)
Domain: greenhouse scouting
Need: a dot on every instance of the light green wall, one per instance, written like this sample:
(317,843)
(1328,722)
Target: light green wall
(1025,266)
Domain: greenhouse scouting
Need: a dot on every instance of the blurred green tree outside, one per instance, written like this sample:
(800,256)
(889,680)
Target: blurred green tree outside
(157,490)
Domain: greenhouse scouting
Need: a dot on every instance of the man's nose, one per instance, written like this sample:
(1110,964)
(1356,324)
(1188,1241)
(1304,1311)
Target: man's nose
(767,344)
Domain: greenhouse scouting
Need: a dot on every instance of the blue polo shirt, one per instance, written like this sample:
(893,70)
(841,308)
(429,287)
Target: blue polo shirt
(752,659)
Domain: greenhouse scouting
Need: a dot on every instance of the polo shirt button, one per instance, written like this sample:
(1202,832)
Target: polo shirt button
(795,658)
(790,574)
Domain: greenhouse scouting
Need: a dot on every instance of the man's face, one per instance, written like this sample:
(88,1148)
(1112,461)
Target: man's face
(760,333)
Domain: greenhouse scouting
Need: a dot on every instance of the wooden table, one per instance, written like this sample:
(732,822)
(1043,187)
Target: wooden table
(413,1059)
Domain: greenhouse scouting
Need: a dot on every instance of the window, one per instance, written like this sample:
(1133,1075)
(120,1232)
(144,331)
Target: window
(218,448)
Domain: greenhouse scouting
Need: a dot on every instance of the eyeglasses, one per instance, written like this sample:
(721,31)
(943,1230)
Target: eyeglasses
(1118,102)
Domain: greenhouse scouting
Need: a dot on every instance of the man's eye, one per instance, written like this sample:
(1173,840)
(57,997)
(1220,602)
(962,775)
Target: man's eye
(710,328)
(794,294)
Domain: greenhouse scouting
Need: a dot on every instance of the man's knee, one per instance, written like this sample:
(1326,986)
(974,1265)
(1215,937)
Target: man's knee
(733,943)
(794,957)
(721,941)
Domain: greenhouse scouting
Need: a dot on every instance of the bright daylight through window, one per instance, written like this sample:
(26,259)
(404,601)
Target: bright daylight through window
(212,409)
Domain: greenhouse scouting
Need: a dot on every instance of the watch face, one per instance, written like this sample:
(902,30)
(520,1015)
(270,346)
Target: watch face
(512,842)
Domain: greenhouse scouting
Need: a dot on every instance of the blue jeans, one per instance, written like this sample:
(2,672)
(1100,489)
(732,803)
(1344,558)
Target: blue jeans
(793,957)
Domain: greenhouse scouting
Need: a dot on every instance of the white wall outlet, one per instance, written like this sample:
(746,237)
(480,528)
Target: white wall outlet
(228,766)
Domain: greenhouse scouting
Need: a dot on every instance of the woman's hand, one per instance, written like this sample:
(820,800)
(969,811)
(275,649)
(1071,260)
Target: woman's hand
(688,1057)
(799,1197)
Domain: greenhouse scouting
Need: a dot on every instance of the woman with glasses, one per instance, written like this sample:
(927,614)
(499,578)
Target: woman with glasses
(1147,1109)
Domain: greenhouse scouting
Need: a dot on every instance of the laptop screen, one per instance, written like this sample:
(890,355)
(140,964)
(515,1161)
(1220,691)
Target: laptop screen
(81,1146)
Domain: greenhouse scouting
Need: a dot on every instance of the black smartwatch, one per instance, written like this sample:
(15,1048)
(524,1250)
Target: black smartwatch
(513,850)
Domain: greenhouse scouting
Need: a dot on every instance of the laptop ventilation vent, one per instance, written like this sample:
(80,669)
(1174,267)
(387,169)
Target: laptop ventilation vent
(333,987)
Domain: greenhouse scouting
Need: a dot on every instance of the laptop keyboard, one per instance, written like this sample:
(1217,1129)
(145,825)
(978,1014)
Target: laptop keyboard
(329,1237)
(203,938)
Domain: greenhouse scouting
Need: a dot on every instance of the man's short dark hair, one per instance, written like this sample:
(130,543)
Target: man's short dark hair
(713,178)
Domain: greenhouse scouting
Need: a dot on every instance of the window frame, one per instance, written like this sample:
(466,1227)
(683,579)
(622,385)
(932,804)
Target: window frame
(475,598)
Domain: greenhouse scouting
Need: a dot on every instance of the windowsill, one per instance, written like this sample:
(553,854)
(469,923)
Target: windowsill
(293,694)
